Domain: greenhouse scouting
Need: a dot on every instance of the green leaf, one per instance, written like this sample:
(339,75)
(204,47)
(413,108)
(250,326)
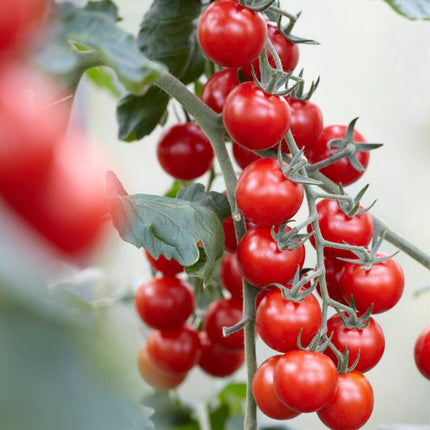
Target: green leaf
(137,116)
(214,201)
(412,9)
(173,190)
(106,7)
(234,395)
(108,44)
(167,34)
(171,227)
(104,78)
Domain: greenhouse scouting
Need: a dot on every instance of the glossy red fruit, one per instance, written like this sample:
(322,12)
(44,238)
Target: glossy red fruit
(333,268)
(162,264)
(217,361)
(279,321)
(231,35)
(243,156)
(264,392)
(164,303)
(185,152)
(422,352)
(230,276)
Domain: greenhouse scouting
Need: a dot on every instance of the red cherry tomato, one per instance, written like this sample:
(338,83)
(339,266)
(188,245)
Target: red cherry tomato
(231,35)
(217,361)
(369,342)
(337,227)
(422,352)
(261,262)
(230,241)
(333,268)
(230,276)
(341,171)
(351,405)
(156,377)
(288,53)
(381,286)
(174,351)
(243,156)
(305,380)
(255,119)
(224,313)
(163,265)
(218,87)
(279,321)
(164,303)
(185,152)
(265,196)
(264,392)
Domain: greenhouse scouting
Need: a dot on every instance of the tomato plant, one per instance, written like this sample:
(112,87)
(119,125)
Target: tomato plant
(168,267)
(421,352)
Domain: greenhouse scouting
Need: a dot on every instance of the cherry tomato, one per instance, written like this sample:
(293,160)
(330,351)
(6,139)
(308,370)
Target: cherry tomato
(351,405)
(381,286)
(305,380)
(163,265)
(337,227)
(306,122)
(218,87)
(369,342)
(185,152)
(164,303)
(264,392)
(288,53)
(230,276)
(243,156)
(174,351)
(422,352)
(279,321)
(265,196)
(261,262)
(255,119)
(341,171)
(156,377)
(224,313)
(231,35)
(333,268)
(217,361)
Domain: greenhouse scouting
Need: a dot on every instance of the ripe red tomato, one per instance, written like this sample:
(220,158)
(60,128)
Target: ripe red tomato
(261,262)
(288,53)
(156,377)
(265,196)
(164,303)
(174,351)
(264,392)
(422,352)
(351,405)
(230,241)
(333,267)
(381,286)
(217,361)
(224,313)
(369,342)
(231,35)
(305,380)
(230,276)
(279,321)
(163,265)
(255,119)
(185,152)
(341,171)
(243,156)
(337,227)
(218,87)
(306,122)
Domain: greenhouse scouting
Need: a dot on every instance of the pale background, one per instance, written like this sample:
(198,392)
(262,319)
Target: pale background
(373,64)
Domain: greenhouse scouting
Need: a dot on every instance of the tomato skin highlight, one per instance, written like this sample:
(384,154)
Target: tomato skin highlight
(381,286)
(422,352)
(265,196)
(305,380)
(280,321)
(264,392)
(352,403)
(185,152)
(164,303)
(231,35)
(261,262)
(369,342)
(255,119)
